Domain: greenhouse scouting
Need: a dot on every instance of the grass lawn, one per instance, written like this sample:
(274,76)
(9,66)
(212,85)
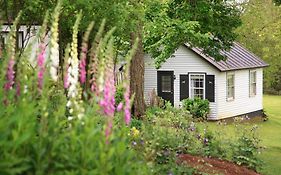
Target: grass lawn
(270,133)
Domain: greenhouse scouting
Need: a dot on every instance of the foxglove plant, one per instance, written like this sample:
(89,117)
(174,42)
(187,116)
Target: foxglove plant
(54,55)
(10,73)
(94,62)
(83,54)
(109,89)
(41,55)
(66,67)
(73,71)
(74,102)
(126,85)
(41,66)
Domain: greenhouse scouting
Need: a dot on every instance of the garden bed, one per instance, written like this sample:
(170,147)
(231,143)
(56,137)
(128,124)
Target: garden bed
(214,165)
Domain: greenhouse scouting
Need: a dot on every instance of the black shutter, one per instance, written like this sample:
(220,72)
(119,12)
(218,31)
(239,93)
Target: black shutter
(184,87)
(210,88)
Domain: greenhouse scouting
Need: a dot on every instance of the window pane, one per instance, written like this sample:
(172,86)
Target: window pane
(166,83)
(230,86)
(253,84)
(197,86)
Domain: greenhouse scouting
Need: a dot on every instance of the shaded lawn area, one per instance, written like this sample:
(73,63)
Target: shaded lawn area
(270,134)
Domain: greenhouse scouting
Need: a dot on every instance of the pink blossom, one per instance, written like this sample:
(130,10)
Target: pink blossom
(108,101)
(120,106)
(10,75)
(40,63)
(65,78)
(82,67)
(127,108)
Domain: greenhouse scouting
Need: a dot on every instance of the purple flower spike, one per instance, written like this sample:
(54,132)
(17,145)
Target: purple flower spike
(82,67)
(41,68)
(119,107)
(10,75)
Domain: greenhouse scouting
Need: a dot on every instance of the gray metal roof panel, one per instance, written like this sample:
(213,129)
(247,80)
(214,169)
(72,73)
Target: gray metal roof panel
(237,58)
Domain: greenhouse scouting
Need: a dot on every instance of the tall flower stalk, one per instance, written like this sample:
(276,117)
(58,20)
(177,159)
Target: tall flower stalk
(10,73)
(74,100)
(126,85)
(54,55)
(109,89)
(83,55)
(108,101)
(66,67)
(94,61)
(41,55)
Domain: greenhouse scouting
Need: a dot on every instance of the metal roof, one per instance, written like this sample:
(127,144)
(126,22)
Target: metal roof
(237,58)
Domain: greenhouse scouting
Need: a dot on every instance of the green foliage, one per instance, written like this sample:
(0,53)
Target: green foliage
(119,96)
(260,33)
(197,107)
(246,149)
(200,23)
(38,136)
(45,145)
(170,132)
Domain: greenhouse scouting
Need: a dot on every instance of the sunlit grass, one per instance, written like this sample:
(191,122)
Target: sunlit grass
(269,131)
(271,136)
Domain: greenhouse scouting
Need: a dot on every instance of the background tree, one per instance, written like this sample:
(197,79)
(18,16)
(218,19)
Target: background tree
(206,24)
(161,26)
(260,32)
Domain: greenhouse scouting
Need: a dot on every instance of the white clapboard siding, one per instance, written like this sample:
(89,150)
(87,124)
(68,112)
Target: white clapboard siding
(183,61)
(29,37)
(242,102)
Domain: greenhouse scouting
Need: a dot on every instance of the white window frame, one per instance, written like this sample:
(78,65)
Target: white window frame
(204,82)
(20,38)
(251,94)
(227,86)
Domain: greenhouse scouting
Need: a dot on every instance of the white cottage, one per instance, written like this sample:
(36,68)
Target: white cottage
(233,87)
(25,35)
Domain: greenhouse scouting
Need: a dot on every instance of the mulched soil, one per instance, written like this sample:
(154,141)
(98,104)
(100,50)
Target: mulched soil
(214,166)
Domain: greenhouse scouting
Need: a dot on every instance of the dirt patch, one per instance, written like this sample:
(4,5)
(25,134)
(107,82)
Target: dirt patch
(214,166)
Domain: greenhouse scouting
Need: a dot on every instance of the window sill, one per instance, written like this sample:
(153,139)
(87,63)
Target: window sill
(253,96)
(230,99)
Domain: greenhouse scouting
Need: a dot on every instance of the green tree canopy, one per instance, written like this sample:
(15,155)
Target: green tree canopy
(261,32)
(202,23)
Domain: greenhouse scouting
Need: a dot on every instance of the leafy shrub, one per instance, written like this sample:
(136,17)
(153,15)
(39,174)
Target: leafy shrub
(170,131)
(197,107)
(119,96)
(246,149)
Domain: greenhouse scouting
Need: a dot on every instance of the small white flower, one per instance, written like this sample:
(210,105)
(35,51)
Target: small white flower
(71,111)
(68,104)
(80,116)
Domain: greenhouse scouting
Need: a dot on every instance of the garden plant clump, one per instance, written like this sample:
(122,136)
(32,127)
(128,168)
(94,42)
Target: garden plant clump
(167,134)
(64,120)
(198,108)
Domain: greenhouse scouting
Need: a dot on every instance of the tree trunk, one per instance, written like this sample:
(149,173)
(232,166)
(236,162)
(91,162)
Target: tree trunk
(137,76)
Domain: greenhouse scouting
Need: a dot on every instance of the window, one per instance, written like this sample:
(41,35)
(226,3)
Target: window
(4,39)
(166,83)
(253,83)
(230,86)
(197,86)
